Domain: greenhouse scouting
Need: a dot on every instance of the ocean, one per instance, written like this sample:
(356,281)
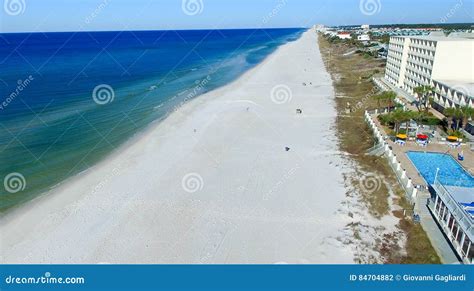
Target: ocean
(70,99)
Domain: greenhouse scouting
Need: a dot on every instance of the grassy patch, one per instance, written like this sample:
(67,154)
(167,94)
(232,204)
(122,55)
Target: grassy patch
(418,246)
(354,90)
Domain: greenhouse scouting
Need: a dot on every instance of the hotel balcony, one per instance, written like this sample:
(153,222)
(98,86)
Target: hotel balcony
(419,71)
(423,46)
(454,220)
(422,55)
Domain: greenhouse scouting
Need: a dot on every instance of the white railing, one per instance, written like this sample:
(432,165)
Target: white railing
(391,157)
(457,211)
(380,84)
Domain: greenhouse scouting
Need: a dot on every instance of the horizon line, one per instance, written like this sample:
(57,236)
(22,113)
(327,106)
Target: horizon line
(141,30)
(243,28)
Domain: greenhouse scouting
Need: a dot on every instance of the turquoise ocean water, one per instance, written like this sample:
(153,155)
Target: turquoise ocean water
(70,99)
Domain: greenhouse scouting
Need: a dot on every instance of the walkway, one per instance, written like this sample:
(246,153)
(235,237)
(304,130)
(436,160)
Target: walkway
(435,234)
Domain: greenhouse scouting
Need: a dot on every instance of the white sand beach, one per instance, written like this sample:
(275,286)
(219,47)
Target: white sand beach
(212,183)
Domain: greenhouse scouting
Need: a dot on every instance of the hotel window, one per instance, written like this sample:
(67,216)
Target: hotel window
(451,221)
(441,210)
(454,230)
(470,255)
(460,237)
(438,204)
(445,214)
(465,246)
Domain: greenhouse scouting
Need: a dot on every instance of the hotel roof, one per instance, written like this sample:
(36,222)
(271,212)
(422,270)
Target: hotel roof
(463,196)
(437,37)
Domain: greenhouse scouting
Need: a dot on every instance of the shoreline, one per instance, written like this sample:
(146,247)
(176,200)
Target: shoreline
(126,144)
(150,94)
(106,202)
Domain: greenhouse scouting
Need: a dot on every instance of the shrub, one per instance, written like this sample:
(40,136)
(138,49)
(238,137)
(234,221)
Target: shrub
(456,133)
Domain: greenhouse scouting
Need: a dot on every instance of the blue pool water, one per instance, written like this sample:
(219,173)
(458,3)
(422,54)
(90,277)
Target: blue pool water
(450,173)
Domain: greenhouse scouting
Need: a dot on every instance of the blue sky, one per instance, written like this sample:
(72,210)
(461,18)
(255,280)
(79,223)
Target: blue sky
(74,15)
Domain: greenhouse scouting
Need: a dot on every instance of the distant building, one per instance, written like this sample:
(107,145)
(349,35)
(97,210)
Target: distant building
(320,28)
(363,37)
(428,60)
(344,35)
(365,26)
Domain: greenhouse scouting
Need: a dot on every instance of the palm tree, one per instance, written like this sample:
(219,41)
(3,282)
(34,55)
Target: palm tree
(400,116)
(407,117)
(450,114)
(379,98)
(458,115)
(396,118)
(466,113)
(419,116)
(423,94)
(390,96)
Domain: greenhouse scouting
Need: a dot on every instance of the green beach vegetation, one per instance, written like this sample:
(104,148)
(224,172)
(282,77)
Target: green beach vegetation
(455,117)
(352,85)
(424,95)
(399,116)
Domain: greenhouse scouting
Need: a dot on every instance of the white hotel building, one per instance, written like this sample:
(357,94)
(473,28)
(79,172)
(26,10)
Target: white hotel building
(445,63)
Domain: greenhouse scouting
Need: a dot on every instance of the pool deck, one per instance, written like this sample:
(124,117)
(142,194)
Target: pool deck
(437,237)
(400,151)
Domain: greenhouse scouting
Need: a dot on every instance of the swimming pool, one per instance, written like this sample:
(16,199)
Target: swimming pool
(451,173)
